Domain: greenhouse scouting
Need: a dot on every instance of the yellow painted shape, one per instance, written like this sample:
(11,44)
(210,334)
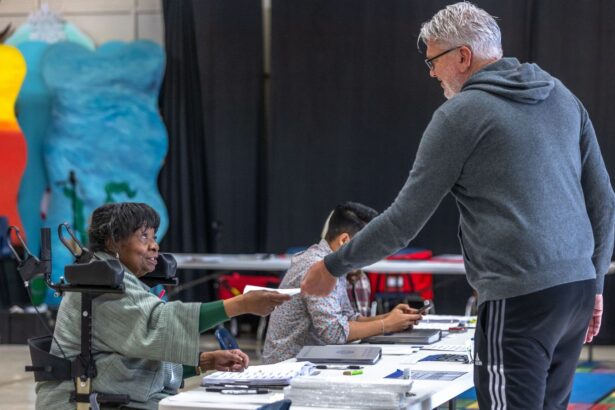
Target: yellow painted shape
(12,74)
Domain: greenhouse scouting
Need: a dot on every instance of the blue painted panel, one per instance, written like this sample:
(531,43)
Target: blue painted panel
(106,131)
(33,113)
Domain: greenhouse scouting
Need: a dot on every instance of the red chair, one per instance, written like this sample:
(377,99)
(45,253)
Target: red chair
(405,286)
(232,284)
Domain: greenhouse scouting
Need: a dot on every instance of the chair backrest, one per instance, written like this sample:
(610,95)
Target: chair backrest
(278,405)
(225,339)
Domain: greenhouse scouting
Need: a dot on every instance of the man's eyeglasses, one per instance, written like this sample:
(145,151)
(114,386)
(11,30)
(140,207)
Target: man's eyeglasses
(429,61)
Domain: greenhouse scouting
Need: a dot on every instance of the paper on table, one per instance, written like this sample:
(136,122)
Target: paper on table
(443,322)
(447,347)
(200,396)
(290,292)
(397,350)
(362,382)
(279,374)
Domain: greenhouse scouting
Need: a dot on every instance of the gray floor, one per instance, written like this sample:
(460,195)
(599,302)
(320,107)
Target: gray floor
(17,387)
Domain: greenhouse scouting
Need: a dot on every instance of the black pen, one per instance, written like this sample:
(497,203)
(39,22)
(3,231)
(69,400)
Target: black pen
(220,389)
(244,391)
(337,367)
(227,386)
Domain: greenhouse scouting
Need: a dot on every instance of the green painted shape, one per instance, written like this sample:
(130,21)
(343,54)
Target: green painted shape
(113,188)
(78,224)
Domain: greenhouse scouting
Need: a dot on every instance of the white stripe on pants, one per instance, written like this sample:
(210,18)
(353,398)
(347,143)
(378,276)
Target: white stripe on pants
(495,355)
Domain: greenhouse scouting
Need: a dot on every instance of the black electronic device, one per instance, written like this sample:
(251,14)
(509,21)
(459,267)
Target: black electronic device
(427,305)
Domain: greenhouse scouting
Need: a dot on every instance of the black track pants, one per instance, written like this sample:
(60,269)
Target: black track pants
(527,347)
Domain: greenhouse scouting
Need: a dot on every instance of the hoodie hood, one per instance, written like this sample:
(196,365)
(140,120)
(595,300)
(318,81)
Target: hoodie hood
(524,83)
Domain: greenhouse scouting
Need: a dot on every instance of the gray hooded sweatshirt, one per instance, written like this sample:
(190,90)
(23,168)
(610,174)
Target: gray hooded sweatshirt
(519,153)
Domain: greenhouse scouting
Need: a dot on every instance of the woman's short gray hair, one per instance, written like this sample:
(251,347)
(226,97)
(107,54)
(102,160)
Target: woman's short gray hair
(464,24)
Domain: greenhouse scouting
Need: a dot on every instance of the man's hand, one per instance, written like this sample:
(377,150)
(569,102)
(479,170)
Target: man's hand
(318,281)
(595,321)
(224,360)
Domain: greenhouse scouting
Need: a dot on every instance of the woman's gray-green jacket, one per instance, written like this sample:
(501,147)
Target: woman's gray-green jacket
(138,341)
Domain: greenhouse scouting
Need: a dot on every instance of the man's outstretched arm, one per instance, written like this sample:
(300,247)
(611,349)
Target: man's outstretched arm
(318,281)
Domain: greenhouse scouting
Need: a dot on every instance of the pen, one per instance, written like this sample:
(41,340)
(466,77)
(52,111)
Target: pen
(245,391)
(330,367)
(218,389)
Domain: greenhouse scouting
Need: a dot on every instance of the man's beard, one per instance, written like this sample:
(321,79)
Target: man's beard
(452,88)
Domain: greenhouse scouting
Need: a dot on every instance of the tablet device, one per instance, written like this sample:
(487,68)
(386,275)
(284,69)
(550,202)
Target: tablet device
(347,354)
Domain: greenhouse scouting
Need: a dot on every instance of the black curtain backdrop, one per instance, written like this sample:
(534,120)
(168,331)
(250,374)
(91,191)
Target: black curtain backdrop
(230,61)
(211,102)
(350,98)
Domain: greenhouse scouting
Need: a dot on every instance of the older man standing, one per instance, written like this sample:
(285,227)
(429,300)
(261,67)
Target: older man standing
(519,153)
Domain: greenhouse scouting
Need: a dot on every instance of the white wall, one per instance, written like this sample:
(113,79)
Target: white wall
(102,20)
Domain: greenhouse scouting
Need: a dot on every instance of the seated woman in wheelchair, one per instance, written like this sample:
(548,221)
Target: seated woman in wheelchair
(139,342)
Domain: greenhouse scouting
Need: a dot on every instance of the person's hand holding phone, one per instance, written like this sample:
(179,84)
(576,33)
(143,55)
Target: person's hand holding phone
(427,305)
(397,321)
(404,308)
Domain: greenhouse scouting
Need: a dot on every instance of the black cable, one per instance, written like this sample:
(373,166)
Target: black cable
(40,316)
(192,283)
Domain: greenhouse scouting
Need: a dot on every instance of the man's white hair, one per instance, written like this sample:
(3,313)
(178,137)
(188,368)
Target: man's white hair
(464,24)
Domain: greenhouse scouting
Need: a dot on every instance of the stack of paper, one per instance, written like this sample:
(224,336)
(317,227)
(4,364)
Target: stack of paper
(290,292)
(443,322)
(279,374)
(447,347)
(349,392)
(189,399)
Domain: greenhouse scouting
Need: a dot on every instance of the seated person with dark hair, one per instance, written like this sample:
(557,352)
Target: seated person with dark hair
(307,320)
(139,342)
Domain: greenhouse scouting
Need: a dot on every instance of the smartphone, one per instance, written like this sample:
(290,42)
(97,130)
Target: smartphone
(427,305)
